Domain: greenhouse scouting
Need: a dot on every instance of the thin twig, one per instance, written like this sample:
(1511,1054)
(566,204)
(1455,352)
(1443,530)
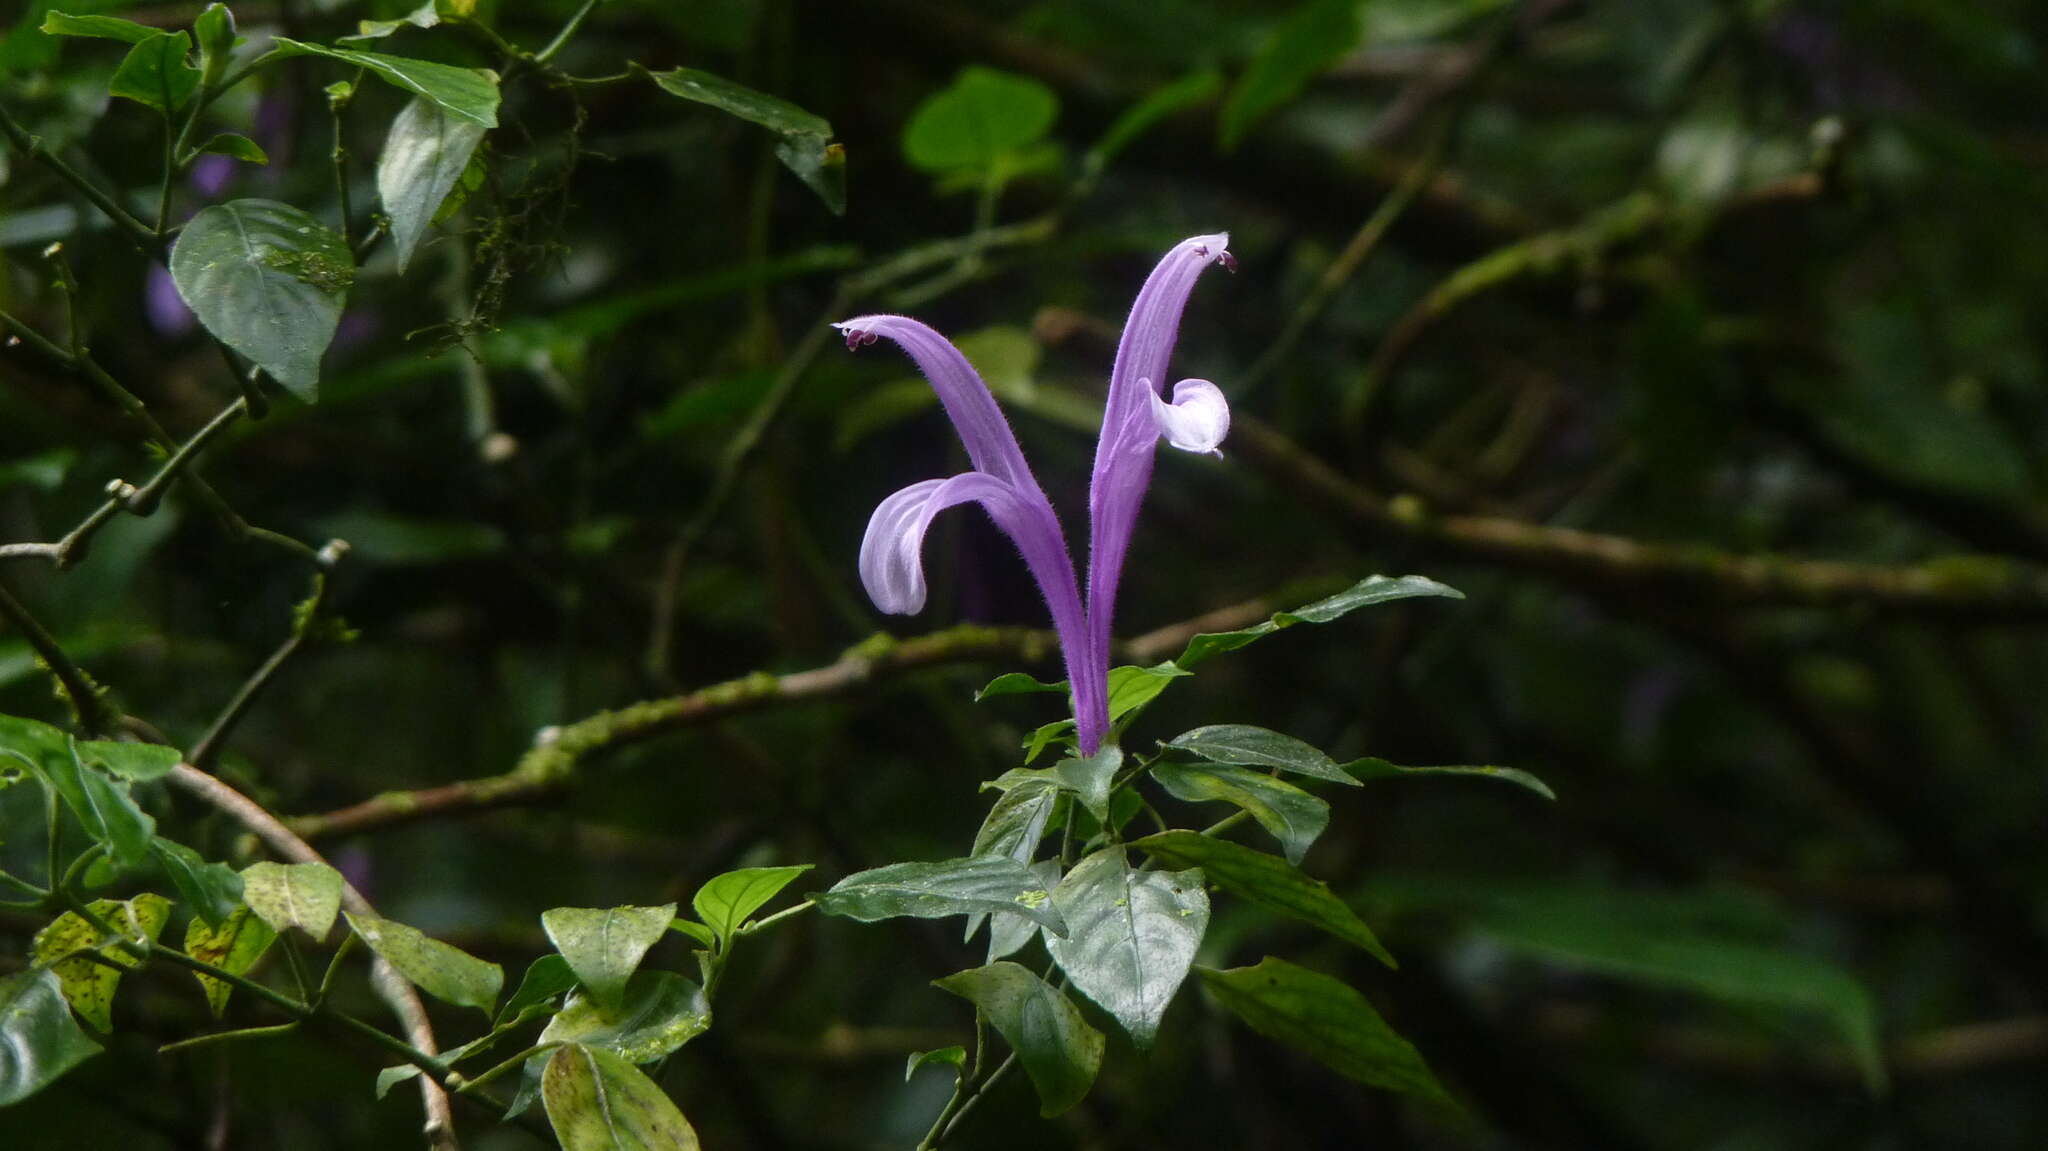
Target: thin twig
(86,700)
(304,626)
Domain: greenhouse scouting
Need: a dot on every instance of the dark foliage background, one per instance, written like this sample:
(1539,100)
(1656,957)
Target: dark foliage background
(1706,358)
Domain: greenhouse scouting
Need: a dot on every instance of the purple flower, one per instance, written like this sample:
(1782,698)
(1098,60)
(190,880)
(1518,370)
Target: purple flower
(1133,421)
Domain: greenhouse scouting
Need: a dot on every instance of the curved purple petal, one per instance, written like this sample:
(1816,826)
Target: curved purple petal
(1130,425)
(1197,419)
(892,570)
(990,443)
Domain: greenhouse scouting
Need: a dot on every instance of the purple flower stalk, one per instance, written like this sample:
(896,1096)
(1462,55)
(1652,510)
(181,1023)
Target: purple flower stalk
(1133,421)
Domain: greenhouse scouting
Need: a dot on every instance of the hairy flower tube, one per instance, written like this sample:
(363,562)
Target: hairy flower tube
(1134,419)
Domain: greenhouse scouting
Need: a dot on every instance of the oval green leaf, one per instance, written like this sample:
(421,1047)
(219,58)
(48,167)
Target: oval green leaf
(269,281)
(1267,880)
(424,155)
(604,945)
(39,1040)
(936,890)
(599,1102)
(1326,1019)
(1131,936)
(286,895)
(443,971)
(1293,816)
(1058,1049)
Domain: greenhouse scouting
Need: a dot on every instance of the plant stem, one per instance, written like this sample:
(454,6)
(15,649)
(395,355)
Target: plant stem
(32,148)
(209,746)
(568,31)
(785,913)
(93,713)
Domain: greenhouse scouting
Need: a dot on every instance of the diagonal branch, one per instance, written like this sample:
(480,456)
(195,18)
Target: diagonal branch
(556,760)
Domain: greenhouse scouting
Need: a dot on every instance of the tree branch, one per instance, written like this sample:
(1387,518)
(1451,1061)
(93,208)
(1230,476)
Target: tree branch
(404,1000)
(553,764)
(1963,586)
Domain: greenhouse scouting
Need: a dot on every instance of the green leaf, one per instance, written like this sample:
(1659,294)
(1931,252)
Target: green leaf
(1009,932)
(1365,593)
(1186,92)
(427,15)
(659,1013)
(214,33)
(88,985)
(39,1040)
(100,27)
(1314,36)
(546,977)
(234,946)
(213,890)
(240,147)
(954,1057)
(1058,1049)
(467,93)
(1246,746)
(1326,1019)
(155,74)
(599,1102)
(1016,823)
(1131,688)
(1012,682)
(1131,936)
(103,807)
(1088,777)
(936,890)
(1059,732)
(1267,880)
(1665,940)
(1294,816)
(425,153)
(604,945)
(443,971)
(286,895)
(978,121)
(140,762)
(1371,768)
(725,901)
(269,281)
(696,931)
(805,147)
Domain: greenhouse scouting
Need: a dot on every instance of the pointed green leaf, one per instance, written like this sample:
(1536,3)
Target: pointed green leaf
(1008,932)
(597,1101)
(696,931)
(234,946)
(1293,816)
(39,1040)
(659,1013)
(286,895)
(1058,1049)
(443,971)
(155,74)
(1371,768)
(1247,746)
(99,27)
(1013,682)
(1131,688)
(139,762)
(1013,829)
(213,890)
(90,986)
(1365,593)
(1131,936)
(725,901)
(1314,36)
(1326,1019)
(546,977)
(936,890)
(1088,777)
(103,807)
(425,153)
(270,281)
(954,1057)
(240,147)
(468,93)
(805,147)
(604,945)
(1267,880)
